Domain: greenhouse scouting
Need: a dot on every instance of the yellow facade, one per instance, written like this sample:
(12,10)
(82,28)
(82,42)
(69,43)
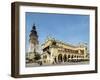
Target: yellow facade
(57,51)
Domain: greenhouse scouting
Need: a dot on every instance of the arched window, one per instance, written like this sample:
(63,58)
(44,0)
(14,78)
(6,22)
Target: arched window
(72,57)
(45,56)
(68,56)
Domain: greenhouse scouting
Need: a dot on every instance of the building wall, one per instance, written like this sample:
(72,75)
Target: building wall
(61,52)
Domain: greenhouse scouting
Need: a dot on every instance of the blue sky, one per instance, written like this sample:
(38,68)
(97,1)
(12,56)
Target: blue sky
(65,27)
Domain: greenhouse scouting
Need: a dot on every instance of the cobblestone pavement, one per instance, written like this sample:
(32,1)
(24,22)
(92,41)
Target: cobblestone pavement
(59,64)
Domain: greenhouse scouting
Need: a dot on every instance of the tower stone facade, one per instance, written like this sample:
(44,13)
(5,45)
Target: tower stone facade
(33,41)
(33,45)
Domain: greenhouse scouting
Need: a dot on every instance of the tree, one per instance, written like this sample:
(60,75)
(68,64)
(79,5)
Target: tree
(37,56)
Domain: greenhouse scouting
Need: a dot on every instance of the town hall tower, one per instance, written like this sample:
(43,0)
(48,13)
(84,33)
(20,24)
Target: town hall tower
(33,39)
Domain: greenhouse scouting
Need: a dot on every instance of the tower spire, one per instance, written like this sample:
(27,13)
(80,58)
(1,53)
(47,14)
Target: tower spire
(34,27)
(33,31)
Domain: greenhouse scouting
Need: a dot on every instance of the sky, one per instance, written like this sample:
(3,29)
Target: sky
(69,28)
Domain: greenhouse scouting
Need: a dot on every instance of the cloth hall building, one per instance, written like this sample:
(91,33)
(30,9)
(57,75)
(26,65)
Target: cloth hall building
(55,51)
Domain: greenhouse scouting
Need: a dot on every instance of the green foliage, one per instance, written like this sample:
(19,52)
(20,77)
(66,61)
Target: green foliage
(37,56)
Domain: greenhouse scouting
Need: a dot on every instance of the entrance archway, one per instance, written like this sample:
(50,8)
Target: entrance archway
(60,58)
(68,58)
(65,58)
